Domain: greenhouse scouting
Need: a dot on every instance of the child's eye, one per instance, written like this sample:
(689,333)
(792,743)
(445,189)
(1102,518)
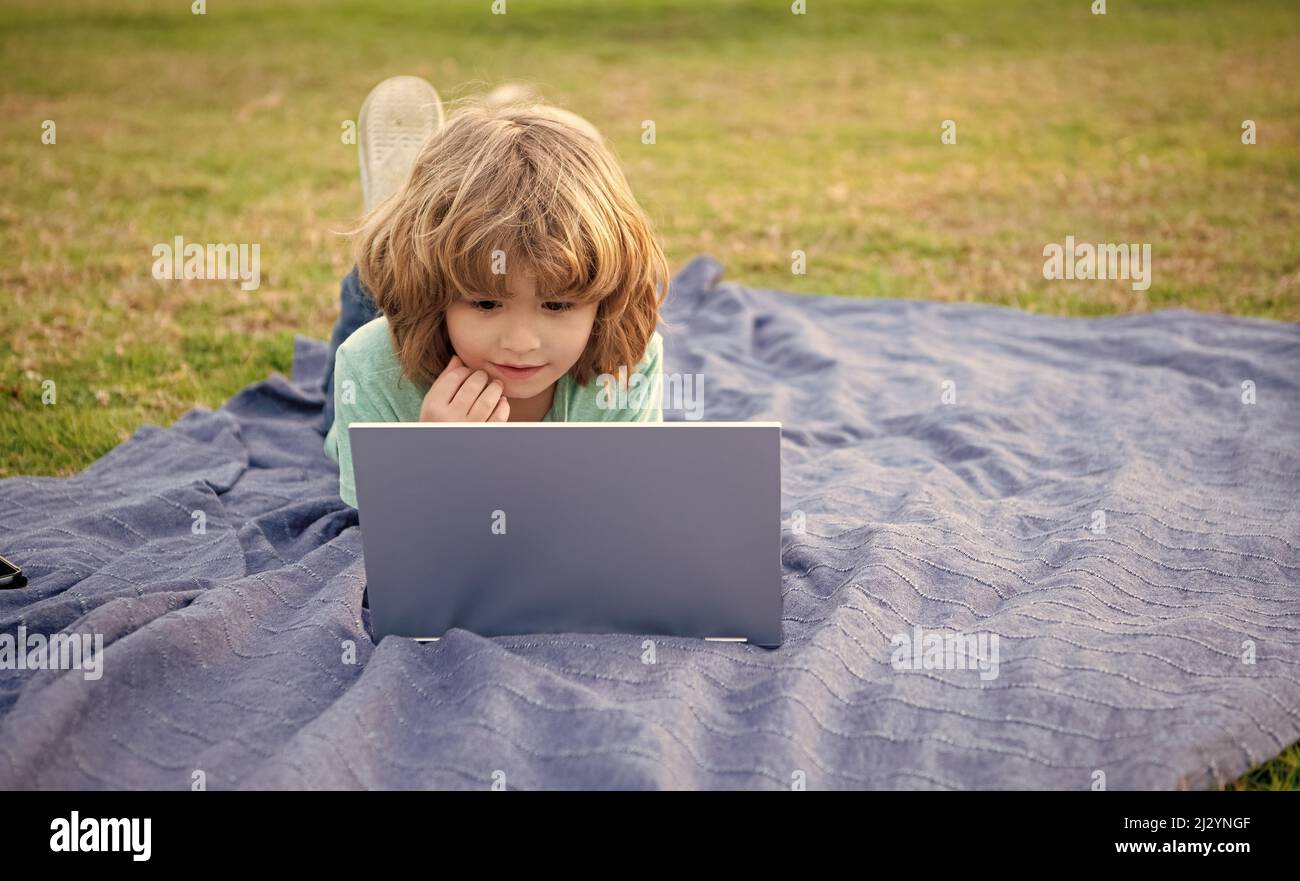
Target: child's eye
(475,304)
(564,307)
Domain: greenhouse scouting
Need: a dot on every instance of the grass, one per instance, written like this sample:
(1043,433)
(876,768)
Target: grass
(774,132)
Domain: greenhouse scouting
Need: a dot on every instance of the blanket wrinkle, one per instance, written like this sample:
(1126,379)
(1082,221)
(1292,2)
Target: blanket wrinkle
(1094,493)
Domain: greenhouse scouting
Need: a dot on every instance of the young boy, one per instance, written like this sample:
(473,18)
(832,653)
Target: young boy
(507,274)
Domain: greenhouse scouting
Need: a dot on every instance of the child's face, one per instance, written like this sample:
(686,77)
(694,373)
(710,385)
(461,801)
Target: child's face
(521,330)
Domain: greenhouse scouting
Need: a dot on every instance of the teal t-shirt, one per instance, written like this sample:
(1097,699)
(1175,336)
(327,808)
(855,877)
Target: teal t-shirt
(369,386)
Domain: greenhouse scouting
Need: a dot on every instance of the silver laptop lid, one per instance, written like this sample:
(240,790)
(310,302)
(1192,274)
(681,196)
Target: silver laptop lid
(669,528)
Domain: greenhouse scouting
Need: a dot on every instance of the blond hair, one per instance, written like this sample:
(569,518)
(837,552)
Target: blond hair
(524,182)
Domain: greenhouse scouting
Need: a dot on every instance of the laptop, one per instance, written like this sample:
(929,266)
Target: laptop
(501,528)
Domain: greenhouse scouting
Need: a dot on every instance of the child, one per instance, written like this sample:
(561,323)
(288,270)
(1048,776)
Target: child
(516,278)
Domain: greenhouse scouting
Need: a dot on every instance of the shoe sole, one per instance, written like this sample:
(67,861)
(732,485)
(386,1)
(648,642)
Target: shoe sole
(396,119)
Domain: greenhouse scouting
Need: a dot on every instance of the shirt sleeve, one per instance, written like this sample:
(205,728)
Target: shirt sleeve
(651,373)
(356,399)
(640,400)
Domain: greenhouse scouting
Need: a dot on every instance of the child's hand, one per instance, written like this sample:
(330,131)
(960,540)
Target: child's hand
(462,395)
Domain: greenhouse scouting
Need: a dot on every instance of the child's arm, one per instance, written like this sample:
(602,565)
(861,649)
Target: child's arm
(651,370)
(643,400)
(356,399)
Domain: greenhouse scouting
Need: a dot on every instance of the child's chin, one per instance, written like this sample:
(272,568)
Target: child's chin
(525,388)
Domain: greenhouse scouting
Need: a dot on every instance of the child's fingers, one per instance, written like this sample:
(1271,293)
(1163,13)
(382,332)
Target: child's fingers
(470,390)
(502,411)
(484,407)
(444,388)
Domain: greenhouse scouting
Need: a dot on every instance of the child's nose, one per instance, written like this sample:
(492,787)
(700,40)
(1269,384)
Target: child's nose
(521,336)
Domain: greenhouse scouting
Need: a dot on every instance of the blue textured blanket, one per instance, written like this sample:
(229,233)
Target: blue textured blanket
(1103,511)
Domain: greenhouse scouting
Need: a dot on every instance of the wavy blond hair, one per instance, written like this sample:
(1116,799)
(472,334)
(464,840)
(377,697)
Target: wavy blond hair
(523,180)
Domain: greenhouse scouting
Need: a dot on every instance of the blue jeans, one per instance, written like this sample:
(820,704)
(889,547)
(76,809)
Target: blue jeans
(356,307)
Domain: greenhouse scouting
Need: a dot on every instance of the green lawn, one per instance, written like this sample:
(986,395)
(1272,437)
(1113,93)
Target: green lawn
(775,132)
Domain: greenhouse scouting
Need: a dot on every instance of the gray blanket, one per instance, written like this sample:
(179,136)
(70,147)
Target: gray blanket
(1021,551)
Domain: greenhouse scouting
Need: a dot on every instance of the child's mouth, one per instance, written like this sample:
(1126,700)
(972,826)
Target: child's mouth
(517,372)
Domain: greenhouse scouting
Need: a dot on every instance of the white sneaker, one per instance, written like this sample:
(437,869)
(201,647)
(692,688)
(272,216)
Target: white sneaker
(396,119)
